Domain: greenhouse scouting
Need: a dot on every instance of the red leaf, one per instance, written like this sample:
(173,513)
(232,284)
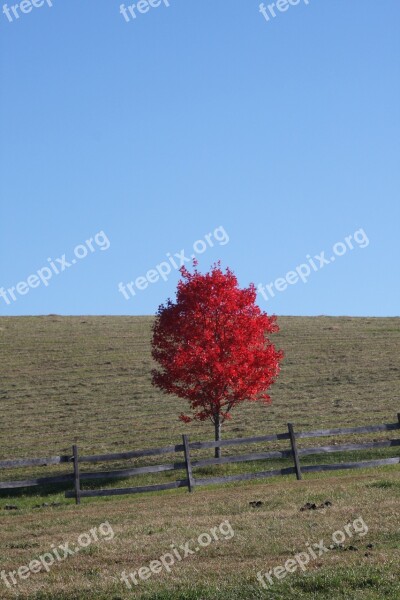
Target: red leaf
(212,345)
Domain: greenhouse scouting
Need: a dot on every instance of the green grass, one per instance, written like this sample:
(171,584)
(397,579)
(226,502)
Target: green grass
(265,537)
(63,378)
(88,378)
(334,584)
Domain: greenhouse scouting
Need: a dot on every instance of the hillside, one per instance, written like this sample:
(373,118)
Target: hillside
(89,378)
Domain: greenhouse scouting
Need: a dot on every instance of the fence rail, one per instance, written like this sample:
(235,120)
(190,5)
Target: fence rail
(188,465)
(33,462)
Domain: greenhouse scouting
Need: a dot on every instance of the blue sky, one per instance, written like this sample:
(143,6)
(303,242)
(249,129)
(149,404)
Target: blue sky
(201,117)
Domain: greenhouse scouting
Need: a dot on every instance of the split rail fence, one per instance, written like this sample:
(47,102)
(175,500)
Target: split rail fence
(188,464)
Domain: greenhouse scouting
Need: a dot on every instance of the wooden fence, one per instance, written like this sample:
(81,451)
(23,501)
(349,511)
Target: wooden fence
(188,464)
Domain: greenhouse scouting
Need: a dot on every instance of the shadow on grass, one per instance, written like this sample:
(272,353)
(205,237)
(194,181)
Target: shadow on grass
(38,491)
(45,490)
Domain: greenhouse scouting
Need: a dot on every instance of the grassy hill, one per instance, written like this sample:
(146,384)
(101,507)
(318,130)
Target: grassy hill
(89,377)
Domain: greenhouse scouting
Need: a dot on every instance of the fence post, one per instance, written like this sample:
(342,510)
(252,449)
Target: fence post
(188,464)
(294,451)
(77,484)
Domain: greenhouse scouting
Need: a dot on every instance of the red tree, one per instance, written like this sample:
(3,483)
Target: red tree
(212,346)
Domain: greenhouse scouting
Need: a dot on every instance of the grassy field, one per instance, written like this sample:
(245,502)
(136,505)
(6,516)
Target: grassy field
(88,378)
(264,538)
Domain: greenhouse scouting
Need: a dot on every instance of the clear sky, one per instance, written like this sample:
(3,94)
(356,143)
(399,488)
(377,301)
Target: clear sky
(277,139)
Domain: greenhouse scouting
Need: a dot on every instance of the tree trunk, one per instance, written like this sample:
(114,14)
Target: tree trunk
(217,426)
